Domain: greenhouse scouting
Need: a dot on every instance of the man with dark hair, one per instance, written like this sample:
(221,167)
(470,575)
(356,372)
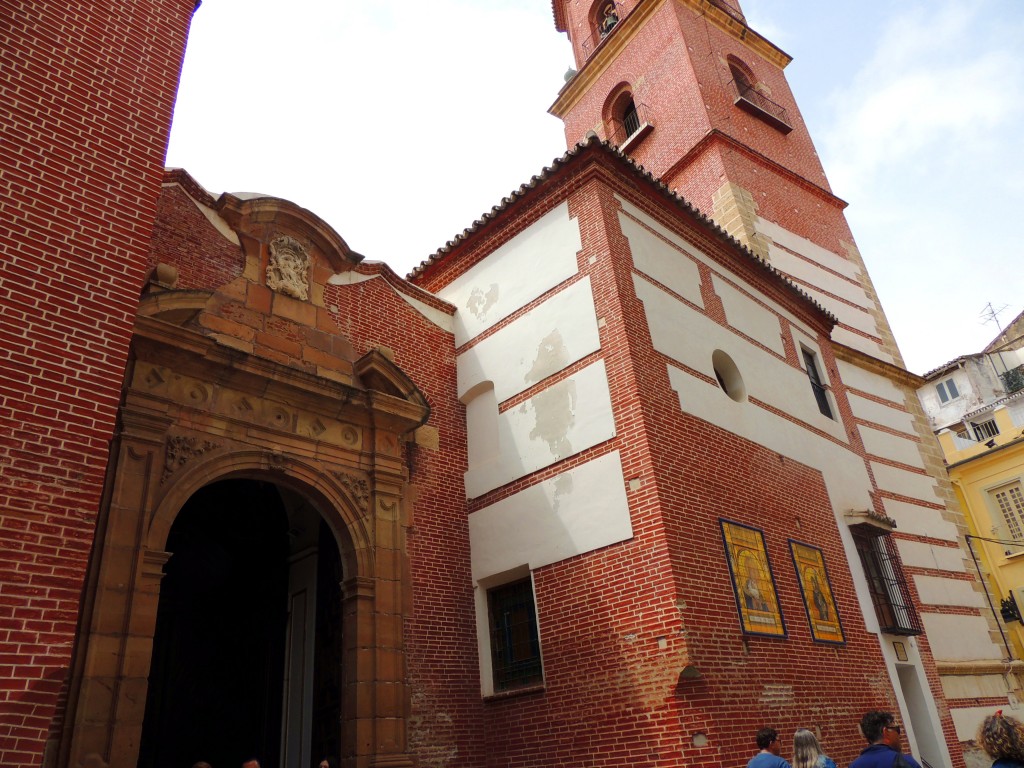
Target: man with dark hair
(884,741)
(768,742)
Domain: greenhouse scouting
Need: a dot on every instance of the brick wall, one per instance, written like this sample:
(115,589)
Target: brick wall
(86,93)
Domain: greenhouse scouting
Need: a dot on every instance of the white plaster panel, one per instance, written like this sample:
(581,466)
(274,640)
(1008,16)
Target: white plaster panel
(493,289)
(542,342)
(557,422)
(955,637)
(934,590)
(864,380)
(861,344)
(886,445)
(802,245)
(747,316)
(967,721)
(919,521)
(689,337)
(660,261)
(973,686)
(573,513)
(920,554)
(855,317)
(869,410)
(896,480)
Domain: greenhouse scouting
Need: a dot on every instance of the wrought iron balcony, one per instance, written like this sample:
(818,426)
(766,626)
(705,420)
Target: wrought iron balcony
(631,127)
(757,104)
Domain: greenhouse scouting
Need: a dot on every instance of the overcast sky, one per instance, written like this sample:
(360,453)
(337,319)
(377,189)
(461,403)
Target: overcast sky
(400,123)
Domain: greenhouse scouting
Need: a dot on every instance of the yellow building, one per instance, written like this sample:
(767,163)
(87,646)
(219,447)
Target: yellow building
(985,458)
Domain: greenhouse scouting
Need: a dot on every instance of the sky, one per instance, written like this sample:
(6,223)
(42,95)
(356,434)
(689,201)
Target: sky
(400,124)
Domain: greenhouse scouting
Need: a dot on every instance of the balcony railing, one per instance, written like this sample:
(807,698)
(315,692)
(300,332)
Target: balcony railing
(605,27)
(757,104)
(630,127)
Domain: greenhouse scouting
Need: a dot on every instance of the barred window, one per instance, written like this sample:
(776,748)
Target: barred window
(515,648)
(886,583)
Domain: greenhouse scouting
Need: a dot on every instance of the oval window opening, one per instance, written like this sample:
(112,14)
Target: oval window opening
(728,376)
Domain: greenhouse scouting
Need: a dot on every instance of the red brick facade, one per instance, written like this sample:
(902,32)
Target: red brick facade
(86,91)
(348,398)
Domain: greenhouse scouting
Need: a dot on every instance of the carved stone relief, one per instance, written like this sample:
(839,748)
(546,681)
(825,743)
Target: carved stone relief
(358,489)
(180,450)
(288,271)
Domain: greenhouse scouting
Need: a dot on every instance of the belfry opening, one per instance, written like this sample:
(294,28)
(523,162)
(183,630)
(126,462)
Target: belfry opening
(247,649)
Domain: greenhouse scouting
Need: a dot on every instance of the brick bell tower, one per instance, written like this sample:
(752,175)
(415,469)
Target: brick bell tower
(691,92)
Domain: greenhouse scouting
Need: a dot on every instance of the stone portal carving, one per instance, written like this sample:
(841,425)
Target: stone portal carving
(288,271)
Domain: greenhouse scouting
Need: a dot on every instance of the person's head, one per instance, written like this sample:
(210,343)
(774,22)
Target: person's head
(1002,737)
(252,762)
(806,749)
(880,727)
(327,762)
(201,764)
(768,738)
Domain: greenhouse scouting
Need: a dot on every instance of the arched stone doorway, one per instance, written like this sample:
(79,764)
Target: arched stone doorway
(195,415)
(247,648)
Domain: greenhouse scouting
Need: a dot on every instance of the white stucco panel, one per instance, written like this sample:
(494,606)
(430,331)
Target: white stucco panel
(955,637)
(973,686)
(967,721)
(919,554)
(493,289)
(904,482)
(869,410)
(854,317)
(747,316)
(863,380)
(935,590)
(805,247)
(893,447)
(542,342)
(559,421)
(860,343)
(659,260)
(919,521)
(573,513)
(689,337)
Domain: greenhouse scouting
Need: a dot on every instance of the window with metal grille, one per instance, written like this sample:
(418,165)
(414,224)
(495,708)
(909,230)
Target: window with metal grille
(1010,500)
(515,648)
(817,385)
(983,430)
(889,592)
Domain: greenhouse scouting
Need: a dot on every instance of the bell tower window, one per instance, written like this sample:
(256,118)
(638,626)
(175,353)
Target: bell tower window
(628,120)
(753,100)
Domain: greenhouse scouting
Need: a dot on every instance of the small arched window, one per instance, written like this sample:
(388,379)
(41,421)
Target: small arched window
(626,118)
(753,98)
(604,16)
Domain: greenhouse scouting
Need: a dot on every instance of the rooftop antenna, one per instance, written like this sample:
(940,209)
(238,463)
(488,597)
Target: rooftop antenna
(989,314)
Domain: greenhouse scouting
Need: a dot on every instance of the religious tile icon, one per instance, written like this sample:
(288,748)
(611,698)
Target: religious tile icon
(752,580)
(817,591)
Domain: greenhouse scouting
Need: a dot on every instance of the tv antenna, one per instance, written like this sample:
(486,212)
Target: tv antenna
(990,314)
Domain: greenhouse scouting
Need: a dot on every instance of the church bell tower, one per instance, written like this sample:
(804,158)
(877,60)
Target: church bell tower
(688,90)
(692,93)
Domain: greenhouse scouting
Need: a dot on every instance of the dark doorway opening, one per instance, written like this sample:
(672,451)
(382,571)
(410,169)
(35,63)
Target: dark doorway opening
(215,686)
